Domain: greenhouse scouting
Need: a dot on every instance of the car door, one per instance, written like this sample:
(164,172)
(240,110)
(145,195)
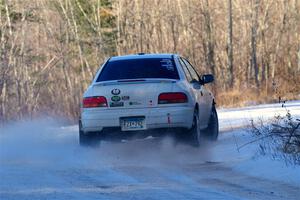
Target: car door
(193,79)
(204,97)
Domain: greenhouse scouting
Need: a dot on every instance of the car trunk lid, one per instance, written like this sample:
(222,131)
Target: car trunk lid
(134,93)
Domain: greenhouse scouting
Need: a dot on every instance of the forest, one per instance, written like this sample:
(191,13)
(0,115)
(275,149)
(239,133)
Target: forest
(51,49)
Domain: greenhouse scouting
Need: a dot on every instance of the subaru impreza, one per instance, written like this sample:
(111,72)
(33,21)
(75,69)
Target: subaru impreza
(148,92)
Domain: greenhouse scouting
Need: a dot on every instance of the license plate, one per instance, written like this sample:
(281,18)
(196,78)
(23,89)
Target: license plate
(132,123)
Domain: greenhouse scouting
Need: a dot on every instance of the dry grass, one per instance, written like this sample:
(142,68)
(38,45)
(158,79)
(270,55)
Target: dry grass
(247,96)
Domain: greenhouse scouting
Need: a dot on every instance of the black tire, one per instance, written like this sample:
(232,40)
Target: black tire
(212,130)
(195,132)
(87,138)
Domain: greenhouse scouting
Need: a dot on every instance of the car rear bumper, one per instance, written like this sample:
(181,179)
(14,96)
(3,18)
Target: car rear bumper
(155,118)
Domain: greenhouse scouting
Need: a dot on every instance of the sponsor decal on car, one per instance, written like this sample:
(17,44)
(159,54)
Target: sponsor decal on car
(125,98)
(116,91)
(167,63)
(133,103)
(116,98)
(116,104)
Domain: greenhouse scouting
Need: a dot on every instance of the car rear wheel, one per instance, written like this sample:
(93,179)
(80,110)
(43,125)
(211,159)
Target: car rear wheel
(87,138)
(212,130)
(195,132)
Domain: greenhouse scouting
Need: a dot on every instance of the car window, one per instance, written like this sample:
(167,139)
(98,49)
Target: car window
(139,68)
(191,70)
(186,71)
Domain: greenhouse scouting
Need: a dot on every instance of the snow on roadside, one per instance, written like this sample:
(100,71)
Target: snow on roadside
(267,168)
(241,117)
(257,165)
(249,161)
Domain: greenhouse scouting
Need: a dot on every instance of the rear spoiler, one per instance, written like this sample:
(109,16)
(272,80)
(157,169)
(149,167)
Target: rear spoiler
(134,81)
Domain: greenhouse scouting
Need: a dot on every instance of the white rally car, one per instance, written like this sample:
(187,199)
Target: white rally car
(146,92)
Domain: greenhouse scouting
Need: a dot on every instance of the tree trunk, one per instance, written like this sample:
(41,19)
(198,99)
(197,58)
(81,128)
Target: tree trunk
(230,46)
(298,55)
(254,28)
(209,38)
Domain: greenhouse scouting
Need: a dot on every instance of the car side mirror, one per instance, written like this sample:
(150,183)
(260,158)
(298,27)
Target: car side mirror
(196,84)
(207,78)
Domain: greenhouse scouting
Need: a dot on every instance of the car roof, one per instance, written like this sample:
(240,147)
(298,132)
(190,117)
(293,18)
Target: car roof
(142,56)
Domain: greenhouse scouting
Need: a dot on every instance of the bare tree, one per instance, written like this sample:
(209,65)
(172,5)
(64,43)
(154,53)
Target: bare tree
(254,27)
(50,48)
(209,40)
(230,45)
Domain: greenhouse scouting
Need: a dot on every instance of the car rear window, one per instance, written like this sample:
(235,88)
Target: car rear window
(139,68)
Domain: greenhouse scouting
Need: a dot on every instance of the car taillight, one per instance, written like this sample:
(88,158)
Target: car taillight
(172,97)
(92,102)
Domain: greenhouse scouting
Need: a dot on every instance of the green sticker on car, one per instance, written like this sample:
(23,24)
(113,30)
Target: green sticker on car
(116,98)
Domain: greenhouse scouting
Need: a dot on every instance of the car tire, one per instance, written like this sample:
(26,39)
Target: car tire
(87,138)
(195,132)
(212,130)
